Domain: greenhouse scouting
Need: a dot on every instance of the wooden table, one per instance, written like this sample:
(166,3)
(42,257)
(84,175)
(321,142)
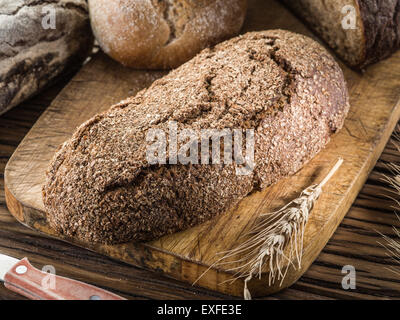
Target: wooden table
(354,243)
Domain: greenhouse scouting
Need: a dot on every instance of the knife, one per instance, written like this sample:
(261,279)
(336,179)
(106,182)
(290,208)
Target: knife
(21,277)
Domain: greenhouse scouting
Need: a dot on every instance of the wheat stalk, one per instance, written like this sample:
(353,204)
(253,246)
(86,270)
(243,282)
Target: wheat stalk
(393,245)
(276,238)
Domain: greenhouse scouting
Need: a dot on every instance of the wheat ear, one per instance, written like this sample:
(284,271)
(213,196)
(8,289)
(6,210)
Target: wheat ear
(272,234)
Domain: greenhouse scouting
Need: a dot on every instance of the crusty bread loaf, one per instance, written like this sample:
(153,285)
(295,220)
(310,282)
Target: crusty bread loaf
(377,27)
(32,53)
(154,34)
(285,86)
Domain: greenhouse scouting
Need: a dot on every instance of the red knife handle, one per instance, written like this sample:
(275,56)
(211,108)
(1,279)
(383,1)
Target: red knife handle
(30,282)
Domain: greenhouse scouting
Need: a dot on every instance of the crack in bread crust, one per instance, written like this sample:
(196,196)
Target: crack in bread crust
(73,5)
(31,56)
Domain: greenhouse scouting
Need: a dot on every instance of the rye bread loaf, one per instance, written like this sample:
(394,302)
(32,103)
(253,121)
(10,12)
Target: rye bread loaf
(377,27)
(163,34)
(32,53)
(285,86)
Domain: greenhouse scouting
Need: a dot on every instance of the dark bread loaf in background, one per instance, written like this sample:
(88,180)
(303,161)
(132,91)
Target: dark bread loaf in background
(377,27)
(285,86)
(32,53)
(163,34)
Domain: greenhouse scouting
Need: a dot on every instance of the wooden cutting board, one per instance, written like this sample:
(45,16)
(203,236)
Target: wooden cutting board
(375,110)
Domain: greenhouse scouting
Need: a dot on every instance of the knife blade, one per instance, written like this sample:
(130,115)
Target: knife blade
(21,277)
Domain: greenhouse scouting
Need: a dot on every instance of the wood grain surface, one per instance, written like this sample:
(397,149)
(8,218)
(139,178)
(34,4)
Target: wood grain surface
(354,243)
(326,282)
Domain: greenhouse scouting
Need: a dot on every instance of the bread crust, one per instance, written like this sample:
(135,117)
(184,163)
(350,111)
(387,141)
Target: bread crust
(381,20)
(154,34)
(285,86)
(377,33)
(32,56)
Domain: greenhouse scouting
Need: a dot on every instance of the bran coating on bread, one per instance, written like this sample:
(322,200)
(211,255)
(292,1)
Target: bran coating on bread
(285,86)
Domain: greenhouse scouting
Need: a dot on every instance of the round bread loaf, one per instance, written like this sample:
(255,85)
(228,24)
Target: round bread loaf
(285,86)
(38,41)
(374,36)
(154,34)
